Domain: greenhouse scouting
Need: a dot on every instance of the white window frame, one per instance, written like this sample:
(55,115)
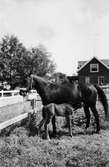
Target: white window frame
(94,65)
(100,78)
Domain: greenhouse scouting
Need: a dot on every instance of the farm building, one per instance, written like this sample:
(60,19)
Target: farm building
(94,71)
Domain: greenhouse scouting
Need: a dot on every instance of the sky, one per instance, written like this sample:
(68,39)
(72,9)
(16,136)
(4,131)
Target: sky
(71,30)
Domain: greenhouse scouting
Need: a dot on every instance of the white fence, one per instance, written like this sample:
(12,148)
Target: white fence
(9,93)
(33,97)
(10,97)
(13,121)
(106,90)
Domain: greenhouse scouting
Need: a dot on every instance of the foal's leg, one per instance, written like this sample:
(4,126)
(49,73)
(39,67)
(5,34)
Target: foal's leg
(46,128)
(96,115)
(54,125)
(87,113)
(40,125)
(42,122)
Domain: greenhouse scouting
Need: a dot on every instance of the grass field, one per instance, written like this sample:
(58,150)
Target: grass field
(84,149)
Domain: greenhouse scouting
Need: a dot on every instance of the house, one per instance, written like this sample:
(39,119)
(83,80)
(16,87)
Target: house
(94,71)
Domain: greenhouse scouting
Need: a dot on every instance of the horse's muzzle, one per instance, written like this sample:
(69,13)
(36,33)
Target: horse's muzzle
(23,91)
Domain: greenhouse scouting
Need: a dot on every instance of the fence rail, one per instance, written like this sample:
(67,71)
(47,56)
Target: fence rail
(106,89)
(33,97)
(10,97)
(13,120)
(9,93)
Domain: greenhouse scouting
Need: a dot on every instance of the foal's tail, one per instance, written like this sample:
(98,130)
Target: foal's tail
(103,99)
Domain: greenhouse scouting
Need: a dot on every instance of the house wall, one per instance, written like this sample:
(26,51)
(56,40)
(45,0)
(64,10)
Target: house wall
(103,71)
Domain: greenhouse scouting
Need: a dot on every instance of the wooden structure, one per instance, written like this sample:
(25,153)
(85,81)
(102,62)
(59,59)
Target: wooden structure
(10,97)
(94,71)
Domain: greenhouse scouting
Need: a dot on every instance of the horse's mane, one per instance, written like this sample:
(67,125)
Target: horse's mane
(52,85)
(40,78)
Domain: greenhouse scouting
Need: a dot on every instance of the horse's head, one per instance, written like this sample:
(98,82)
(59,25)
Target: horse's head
(23,92)
(29,86)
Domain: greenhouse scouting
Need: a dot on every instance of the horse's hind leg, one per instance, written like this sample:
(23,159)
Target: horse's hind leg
(87,113)
(96,115)
(54,125)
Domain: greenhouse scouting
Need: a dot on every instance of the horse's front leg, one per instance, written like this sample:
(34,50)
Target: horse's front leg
(69,118)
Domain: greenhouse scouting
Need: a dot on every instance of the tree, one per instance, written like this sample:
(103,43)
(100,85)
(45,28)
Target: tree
(17,63)
(40,62)
(11,58)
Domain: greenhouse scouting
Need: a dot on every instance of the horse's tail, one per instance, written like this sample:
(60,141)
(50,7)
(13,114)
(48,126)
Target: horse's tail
(103,99)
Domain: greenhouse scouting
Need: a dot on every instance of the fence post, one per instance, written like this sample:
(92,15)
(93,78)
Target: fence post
(33,105)
(2,93)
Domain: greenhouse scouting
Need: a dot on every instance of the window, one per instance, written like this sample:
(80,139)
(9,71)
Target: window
(87,79)
(101,80)
(94,68)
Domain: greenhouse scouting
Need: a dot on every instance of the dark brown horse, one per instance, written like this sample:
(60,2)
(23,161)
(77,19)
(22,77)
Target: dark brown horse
(71,93)
(50,111)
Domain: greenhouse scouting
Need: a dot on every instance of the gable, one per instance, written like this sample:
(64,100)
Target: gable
(82,64)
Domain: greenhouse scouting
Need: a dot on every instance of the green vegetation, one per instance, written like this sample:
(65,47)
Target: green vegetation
(18,149)
(17,62)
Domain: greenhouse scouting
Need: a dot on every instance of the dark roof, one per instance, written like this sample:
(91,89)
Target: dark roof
(105,61)
(82,63)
